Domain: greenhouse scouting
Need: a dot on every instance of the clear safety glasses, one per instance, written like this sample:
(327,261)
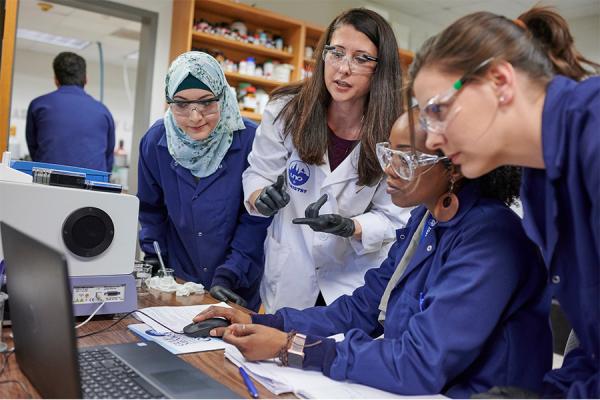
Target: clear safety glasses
(184,108)
(405,163)
(438,112)
(361,63)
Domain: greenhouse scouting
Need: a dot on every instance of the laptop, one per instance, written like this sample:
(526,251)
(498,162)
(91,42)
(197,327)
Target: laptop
(45,342)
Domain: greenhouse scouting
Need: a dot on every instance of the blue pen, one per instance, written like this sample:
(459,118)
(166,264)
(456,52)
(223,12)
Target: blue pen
(251,388)
(421,301)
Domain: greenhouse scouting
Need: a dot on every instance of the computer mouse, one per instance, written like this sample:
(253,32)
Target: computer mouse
(202,328)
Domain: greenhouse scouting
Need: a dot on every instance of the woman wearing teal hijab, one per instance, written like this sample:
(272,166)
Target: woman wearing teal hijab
(190,184)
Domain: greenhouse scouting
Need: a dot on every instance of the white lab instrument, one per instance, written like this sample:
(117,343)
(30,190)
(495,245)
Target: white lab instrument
(97,232)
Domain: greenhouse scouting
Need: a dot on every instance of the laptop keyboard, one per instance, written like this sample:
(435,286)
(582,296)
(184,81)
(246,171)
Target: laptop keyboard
(103,375)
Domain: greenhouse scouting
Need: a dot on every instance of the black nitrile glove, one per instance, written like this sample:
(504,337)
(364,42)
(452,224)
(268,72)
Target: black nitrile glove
(152,259)
(329,223)
(272,198)
(223,294)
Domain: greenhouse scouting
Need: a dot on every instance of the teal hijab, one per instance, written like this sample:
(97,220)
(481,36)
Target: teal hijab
(201,157)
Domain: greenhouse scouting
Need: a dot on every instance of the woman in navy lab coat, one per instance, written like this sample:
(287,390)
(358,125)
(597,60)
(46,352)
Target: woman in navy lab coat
(469,311)
(500,92)
(190,184)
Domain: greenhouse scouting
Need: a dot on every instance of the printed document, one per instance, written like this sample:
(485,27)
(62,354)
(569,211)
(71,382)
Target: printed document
(175,318)
(305,384)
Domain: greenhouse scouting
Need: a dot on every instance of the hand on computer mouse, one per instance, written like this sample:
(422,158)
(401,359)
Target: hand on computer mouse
(231,314)
(256,342)
(204,328)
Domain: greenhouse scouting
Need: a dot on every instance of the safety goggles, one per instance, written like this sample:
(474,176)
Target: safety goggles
(184,108)
(361,63)
(438,112)
(405,163)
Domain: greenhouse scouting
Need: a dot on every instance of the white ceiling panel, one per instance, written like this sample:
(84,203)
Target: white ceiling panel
(445,11)
(437,18)
(410,7)
(509,9)
(70,22)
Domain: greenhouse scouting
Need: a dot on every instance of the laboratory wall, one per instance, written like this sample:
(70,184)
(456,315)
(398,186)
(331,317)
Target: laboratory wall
(33,76)
(164,8)
(586,31)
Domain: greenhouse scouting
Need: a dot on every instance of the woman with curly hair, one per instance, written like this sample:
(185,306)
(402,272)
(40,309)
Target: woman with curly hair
(461,297)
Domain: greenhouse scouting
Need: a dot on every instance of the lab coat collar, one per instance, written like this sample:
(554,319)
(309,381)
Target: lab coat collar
(554,137)
(467,198)
(347,170)
(70,89)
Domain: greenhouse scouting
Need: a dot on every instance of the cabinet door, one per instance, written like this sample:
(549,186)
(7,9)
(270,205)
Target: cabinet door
(8,28)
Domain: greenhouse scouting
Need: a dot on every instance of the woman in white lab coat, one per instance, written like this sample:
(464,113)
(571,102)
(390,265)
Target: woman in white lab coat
(314,157)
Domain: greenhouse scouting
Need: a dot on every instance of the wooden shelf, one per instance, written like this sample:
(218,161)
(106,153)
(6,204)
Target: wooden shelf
(234,78)
(9,18)
(312,35)
(247,13)
(313,32)
(251,115)
(295,33)
(406,57)
(220,41)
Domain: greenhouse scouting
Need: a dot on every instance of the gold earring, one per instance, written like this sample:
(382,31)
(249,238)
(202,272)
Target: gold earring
(447,205)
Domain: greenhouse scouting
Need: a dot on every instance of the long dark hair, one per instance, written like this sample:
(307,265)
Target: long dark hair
(305,115)
(538,43)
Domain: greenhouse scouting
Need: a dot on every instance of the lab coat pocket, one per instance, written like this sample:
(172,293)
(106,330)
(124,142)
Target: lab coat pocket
(211,218)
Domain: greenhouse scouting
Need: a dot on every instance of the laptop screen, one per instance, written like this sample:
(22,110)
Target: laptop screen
(41,313)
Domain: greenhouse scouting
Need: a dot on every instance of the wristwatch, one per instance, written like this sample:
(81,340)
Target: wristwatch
(295,354)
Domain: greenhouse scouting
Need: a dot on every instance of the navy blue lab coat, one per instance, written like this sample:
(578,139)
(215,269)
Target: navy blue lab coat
(202,226)
(470,311)
(70,127)
(562,215)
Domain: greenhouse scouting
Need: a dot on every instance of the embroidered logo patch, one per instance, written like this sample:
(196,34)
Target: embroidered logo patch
(298,175)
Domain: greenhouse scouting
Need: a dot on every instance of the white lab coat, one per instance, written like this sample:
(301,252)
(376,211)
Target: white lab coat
(298,261)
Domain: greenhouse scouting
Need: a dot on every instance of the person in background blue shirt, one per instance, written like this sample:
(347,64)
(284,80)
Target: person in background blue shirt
(499,92)
(68,126)
(190,185)
(461,298)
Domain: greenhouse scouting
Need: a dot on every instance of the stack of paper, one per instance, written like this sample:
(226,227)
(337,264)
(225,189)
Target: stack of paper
(306,384)
(175,318)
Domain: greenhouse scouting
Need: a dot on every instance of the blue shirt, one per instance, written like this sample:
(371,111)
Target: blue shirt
(470,311)
(70,127)
(202,225)
(562,215)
